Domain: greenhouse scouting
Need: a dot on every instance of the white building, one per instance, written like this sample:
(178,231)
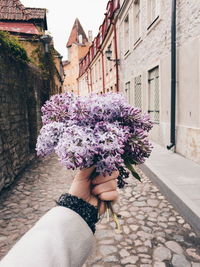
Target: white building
(144,37)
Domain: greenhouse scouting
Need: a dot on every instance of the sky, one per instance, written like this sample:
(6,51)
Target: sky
(62,14)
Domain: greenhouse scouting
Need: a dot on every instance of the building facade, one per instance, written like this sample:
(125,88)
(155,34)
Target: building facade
(77,45)
(97,72)
(144,37)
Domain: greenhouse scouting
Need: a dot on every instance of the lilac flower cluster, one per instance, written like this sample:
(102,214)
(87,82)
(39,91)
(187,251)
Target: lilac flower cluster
(49,137)
(56,109)
(101,130)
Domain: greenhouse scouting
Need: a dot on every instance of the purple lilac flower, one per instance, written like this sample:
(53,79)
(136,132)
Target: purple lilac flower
(48,138)
(56,109)
(108,164)
(111,139)
(102,130)
(76,147)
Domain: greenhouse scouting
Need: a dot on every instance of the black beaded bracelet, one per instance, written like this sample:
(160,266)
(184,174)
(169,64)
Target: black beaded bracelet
(87,211)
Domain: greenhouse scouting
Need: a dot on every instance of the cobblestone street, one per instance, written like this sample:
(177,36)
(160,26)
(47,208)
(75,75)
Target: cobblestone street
(153,233)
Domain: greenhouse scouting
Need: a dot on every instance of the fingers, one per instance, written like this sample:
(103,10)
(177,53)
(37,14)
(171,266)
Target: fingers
(105,187)
(102,179)
(109,196)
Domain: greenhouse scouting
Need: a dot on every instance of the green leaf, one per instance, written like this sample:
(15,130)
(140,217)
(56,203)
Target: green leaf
(132,161)
(132,170)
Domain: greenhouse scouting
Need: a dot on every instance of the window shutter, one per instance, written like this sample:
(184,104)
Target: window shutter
(154,103)
(138,92)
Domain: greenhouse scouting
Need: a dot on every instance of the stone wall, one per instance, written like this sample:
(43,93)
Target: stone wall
(22,92)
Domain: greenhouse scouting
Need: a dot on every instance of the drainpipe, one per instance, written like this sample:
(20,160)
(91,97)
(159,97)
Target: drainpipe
(116,57)
(103,72)
(173,77)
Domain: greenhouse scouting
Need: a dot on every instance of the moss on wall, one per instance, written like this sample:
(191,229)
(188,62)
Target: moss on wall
(12,47)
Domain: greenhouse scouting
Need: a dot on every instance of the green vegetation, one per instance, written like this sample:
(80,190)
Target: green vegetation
(46,61)
(12,47)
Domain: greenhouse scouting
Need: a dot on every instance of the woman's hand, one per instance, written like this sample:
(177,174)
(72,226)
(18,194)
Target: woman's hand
(90,190)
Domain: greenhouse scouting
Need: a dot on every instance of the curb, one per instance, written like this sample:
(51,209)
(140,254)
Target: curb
(181,202)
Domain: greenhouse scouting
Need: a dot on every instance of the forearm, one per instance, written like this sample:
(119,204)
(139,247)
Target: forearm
(53,241)
(64,236)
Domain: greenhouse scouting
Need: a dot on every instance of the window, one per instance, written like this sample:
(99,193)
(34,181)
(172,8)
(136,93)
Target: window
(153,10)
(154,103)
(127,91)
(126,34)
(138,92)
(137,23)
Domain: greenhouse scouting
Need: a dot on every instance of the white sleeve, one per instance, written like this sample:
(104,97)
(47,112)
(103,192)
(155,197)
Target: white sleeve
(61,238)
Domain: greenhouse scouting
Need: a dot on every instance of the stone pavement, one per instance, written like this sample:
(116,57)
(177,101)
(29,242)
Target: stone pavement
(153,232)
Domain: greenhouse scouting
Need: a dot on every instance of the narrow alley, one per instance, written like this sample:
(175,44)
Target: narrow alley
(121,93)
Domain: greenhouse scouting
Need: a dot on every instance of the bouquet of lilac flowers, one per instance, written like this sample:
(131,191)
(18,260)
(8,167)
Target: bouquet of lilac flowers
(101,130)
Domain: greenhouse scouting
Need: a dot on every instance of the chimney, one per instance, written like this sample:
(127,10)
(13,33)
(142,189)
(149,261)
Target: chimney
(90,38)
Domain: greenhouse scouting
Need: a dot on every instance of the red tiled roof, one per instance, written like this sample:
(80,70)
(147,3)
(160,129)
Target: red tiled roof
(75,32)
(36,13)
(14,10)
(22,27)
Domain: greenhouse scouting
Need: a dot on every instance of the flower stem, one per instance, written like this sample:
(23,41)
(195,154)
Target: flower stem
(109,207)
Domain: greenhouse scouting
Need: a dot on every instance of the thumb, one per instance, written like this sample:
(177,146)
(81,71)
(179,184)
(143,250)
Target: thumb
(85,173)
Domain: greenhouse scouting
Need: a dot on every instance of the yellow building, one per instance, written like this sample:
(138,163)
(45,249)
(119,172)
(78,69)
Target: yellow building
(77,46)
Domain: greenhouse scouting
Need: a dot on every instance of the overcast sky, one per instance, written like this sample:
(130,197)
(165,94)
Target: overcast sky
(62,14)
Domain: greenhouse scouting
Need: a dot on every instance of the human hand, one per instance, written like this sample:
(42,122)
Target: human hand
(90,190)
